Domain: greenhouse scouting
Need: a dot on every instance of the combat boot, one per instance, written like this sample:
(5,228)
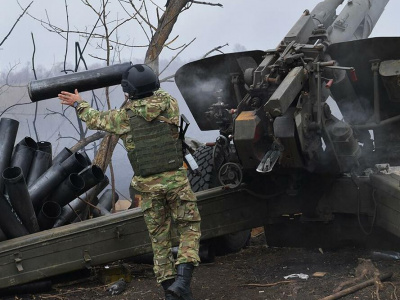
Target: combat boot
(181,286)
(166,284)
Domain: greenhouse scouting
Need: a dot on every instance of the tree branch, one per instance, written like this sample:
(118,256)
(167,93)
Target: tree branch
(12,28)
(173,58)
(34,73)
(87,140)
(207,3)
(215,49)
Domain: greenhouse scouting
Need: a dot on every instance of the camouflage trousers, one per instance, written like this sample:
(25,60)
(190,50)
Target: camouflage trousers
(175,207)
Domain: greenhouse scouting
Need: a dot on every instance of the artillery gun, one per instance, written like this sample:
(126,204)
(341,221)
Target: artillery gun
(307,139)
(309,126)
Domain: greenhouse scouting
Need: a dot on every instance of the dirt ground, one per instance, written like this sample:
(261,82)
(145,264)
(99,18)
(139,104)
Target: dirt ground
(256,272)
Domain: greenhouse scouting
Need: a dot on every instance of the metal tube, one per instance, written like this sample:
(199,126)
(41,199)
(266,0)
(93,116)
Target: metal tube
(83,81)
(20,200)
(68,190)
(2,236)
(9,222)
(106,200)
(377,101)
(86,157)
(45,147)
(325,11)
(41,162)
(61,156)
(27,288)
(356,16)
(49,181)
(105,204)
(8,134)
(99,211)
(23,155)
(77,206)
(92,175)
(49,214)
(319,105)
(378,7)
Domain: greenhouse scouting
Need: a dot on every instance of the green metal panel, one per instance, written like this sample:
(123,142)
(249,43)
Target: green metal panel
(387,196)
(118,236)
(286,93)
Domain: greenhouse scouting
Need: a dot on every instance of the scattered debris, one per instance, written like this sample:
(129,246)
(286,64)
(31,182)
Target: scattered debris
(117,287)
(319,274)
(255,232)
(300,275)
(357,287)
(364,270)
(391,255)
(268,284)
(111,273)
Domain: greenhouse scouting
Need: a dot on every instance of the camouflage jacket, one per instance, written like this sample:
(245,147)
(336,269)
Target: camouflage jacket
(116,121)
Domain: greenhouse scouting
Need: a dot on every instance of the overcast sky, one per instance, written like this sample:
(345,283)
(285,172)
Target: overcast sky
(254,24)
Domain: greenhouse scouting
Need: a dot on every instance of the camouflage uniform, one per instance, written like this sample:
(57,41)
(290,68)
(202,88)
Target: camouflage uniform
(165,196)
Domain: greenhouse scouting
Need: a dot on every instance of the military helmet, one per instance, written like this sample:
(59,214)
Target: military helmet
(139,81)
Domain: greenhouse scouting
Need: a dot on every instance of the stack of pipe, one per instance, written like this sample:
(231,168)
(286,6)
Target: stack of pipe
(38,192)
(105,204)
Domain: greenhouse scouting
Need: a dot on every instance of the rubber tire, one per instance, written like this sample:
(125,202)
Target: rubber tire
(229,243)
(207,178)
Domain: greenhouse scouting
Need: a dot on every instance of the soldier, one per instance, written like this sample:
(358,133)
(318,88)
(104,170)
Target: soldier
(148,127)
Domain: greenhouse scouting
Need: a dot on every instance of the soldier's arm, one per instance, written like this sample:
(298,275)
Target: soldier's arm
(114,121)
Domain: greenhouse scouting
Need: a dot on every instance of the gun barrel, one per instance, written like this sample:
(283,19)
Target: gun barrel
(83,81)
(325,11)
(356,20)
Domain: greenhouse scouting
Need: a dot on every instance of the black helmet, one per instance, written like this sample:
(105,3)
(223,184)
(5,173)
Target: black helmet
(139,81)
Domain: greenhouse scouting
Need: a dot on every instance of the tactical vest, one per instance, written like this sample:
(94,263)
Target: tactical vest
(156,149)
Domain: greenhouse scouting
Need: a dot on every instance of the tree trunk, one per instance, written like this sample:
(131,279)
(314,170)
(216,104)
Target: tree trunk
(105,152)
(165,26)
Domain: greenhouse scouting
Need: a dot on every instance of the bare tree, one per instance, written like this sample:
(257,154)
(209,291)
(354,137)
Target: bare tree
(104,34)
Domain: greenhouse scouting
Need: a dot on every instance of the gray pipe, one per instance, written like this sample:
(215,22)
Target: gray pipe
(45,147)
(68,190)
(41,162)
(91,175)
(105,204)
(8,134)
(86,156)
(20,200)
(99,211)
(9,222)
(83,81)
(23,155)
(61,156)
(26,288)
(2,236)
(48,182)
(324,12)
(354,16)
(107,199)
(48,215)
(77,206)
